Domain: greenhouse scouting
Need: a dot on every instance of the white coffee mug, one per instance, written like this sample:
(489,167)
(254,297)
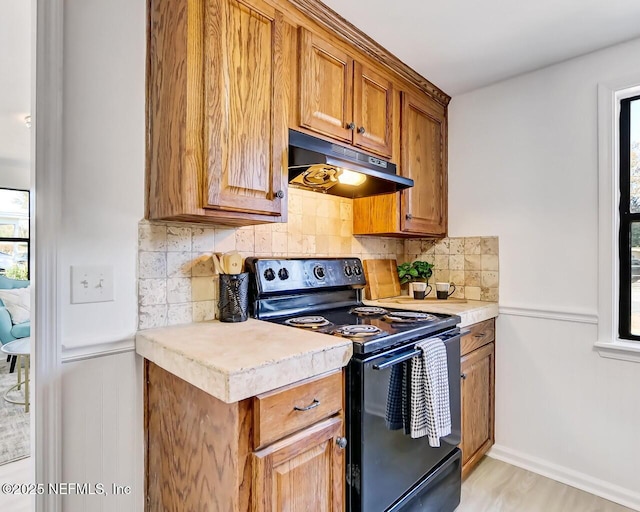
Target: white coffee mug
(419,290)
(442,290)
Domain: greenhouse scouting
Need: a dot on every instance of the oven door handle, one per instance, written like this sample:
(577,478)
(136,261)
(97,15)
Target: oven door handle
(395,360)
(416,352)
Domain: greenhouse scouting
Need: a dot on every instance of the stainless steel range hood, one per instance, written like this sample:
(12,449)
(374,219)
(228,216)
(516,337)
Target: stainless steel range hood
(315,164)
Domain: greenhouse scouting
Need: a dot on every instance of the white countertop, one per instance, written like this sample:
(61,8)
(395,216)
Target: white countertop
(471,312)
(234,361)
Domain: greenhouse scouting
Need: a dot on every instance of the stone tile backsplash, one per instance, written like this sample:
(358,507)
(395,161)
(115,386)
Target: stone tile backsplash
(175,287)
(470,263)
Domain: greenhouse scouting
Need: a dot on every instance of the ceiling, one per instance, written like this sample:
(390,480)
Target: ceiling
(461,45)
(15,86)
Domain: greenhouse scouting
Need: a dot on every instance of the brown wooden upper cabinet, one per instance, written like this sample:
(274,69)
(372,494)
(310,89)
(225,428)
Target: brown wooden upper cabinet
(342,98)
(226,79)
(423,208)
(420,211)
(217,111)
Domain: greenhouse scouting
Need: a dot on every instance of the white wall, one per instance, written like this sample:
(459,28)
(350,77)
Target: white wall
(103,186)
(523,166)
(15,92)
(15,176)
(103,160)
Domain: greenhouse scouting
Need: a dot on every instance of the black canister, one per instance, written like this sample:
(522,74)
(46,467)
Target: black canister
(234,297)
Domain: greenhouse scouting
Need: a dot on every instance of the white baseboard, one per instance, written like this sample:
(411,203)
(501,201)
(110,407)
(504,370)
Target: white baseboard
(582,481)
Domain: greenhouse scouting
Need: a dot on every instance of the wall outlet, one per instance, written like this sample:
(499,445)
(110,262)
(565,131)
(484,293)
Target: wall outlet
(91,284)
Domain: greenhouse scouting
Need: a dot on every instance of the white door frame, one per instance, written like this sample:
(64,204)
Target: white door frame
(46,187)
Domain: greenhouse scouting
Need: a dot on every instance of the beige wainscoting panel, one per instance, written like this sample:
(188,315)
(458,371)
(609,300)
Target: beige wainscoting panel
(102,431)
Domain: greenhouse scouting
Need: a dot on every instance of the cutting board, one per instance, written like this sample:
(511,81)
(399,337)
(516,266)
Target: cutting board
(382,279)
(429,300)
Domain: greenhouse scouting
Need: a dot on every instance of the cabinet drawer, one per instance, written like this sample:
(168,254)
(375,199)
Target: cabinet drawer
(286,410)
(481,334)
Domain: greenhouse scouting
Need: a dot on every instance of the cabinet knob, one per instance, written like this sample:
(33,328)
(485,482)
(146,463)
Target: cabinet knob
(341,442)
(463,376)
(351,126)
(361,130)
(409,216)
(280,194)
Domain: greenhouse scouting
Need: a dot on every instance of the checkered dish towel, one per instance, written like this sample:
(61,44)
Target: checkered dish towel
(395,400)
(398,400)
(430,411)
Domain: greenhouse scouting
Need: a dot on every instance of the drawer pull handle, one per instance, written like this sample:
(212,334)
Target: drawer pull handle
(312,405)
(341,442)
(463,376)
(479,335)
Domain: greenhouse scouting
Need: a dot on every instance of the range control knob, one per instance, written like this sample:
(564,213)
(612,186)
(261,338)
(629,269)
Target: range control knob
(269,274)
(348,271)
(357,270)
(318,271)
(283,274)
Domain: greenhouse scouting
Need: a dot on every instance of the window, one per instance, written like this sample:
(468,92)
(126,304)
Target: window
(629,251)
(14,233)
(618,220)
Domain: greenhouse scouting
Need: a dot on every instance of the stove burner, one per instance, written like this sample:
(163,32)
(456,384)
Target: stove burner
(369,310)
(409,317)
(357,331)
(308,322)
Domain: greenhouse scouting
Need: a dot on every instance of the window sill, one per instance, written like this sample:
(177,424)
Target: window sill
(619,349)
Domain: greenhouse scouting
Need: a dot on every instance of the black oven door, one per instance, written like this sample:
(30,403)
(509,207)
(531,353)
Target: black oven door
(384,464)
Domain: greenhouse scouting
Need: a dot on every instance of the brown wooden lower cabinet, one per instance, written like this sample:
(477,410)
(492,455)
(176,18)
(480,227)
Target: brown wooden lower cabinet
(203,454)
(302,472)
(477,368)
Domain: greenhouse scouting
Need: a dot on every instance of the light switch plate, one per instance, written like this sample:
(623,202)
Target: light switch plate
(91,284)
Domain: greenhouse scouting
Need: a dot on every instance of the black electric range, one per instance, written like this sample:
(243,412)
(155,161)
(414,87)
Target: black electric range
(387,470)
(294,291)
(370,328)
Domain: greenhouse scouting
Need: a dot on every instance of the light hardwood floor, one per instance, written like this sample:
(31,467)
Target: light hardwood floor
(495,486)
(16,473)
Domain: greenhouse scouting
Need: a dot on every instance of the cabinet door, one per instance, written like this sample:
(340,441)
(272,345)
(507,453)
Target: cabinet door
(478,369)
(326,87)
(423,159)
(245,123)
(372,110)
(302,472)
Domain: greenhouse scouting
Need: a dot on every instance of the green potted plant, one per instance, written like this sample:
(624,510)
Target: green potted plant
(424,270)
(418,271)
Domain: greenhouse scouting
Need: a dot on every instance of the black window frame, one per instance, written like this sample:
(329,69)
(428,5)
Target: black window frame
(626,219)
(20,239)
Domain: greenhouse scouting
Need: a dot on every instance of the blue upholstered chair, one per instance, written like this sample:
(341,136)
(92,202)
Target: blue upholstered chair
(9,331)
